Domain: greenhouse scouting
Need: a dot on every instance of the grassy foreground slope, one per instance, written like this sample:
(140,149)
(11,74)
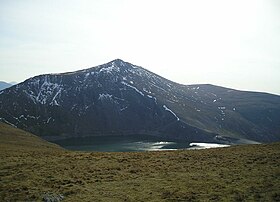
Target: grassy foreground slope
(30,167)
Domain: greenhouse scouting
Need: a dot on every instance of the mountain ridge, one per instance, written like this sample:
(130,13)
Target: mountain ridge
(4,85)
(122,98)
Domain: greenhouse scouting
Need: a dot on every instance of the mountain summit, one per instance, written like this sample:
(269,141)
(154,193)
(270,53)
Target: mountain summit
(119,98)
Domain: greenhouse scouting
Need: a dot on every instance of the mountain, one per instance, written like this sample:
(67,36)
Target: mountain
(13,83)
(119,98)
(4,85)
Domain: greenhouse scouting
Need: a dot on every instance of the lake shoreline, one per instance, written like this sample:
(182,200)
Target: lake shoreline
(139,143)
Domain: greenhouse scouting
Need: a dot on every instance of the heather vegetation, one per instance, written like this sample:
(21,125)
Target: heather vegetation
(31,168)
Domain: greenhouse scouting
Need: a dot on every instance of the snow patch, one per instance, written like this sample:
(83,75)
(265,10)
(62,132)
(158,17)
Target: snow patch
(147,91)
(138,91)
(124,108)
(47,92)
(54,102)
(32,117)
(22,117)
(167,109)
(49,119)
(110,69)
(104,96)
(9,123)
(159,88)
(151,97)
(122,64)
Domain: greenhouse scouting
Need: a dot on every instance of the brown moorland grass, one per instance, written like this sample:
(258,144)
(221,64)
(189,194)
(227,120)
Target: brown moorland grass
(30,167)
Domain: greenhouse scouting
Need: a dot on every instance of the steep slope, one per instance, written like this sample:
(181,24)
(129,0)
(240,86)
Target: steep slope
(4,85)
(121,98)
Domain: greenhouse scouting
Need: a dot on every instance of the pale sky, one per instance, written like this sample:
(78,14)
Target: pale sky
(228,43)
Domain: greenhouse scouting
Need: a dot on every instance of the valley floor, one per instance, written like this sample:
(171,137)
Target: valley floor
(238,173)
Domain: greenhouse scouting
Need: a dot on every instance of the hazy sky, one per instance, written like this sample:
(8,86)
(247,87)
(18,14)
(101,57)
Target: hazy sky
(229,43)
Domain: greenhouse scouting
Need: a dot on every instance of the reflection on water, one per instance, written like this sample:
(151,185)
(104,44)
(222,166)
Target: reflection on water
(120,144)
(206,145)
(123,147)
(129,143)
(150,146)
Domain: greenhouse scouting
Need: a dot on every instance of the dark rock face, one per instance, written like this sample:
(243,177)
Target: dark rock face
(124,99)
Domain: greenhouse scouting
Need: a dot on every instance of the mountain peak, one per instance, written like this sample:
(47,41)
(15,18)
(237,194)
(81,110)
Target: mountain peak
(120,63)
(115,66)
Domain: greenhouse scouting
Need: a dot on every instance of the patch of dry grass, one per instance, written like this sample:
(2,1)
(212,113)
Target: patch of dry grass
(239,173)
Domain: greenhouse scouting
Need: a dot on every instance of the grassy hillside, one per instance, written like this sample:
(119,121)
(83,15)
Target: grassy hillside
(13,139)
(31,167)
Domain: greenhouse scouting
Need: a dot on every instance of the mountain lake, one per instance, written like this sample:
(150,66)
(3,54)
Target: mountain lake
(129,144)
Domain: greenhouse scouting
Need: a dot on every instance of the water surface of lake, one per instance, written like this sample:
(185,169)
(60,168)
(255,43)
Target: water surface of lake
(121,144)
